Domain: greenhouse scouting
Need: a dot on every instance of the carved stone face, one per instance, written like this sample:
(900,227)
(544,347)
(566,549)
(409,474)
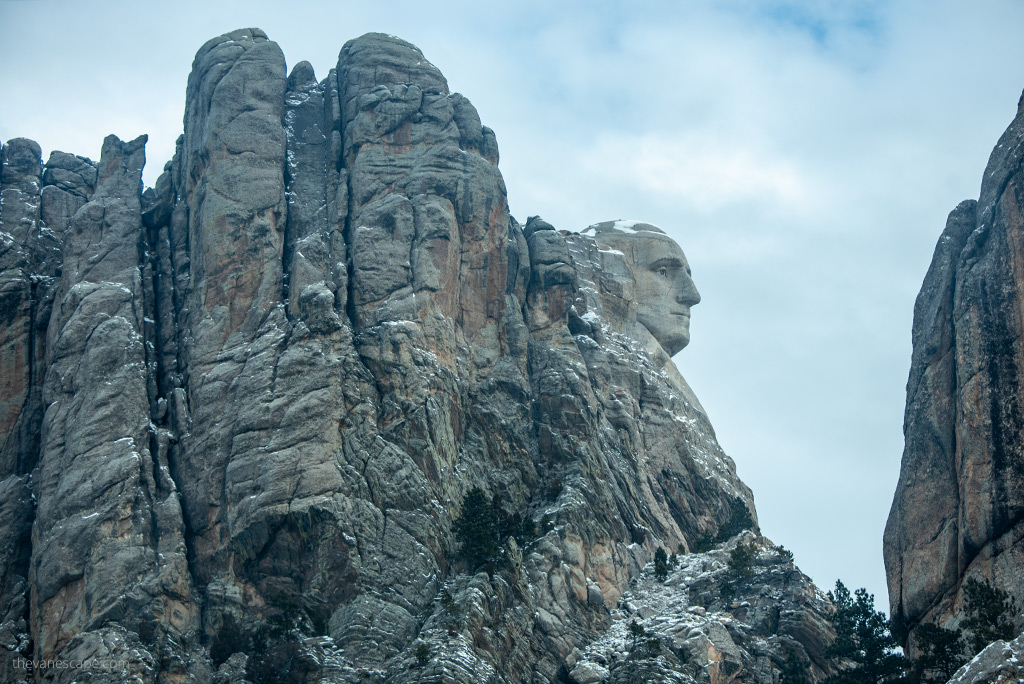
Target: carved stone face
(662,291)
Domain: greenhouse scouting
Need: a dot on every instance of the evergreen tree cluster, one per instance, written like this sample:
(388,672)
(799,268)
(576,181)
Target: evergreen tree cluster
(795,668)
(988,617)
(741,559)
(483,528)
(941,653)
(989,613)
(862,638)
(663,563)
(868,653)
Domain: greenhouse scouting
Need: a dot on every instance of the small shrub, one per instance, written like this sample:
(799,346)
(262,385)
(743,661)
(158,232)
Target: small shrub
(637,632)
(447,602)
(422,654)
(741,559)
(661,564)
(785,554)
(728,592)
(673,561)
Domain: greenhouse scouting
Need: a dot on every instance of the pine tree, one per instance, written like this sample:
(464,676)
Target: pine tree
(795,668)
(637,632)
(739,519)
(989,613)
(477,530)
(741,559)
(941,653)
(483,528)
(661,564)
(862,638)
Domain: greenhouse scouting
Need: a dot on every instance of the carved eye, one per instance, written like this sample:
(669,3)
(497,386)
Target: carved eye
(663,272)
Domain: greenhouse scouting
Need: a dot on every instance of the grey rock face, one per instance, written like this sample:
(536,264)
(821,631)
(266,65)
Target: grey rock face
(246,404)
(959,505)
(37,205)
(693,631)
(999,662)
(107,540)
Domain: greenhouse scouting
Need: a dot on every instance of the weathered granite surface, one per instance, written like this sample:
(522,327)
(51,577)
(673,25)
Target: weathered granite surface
(1000,663)
(958,510)
(695,632)
(240,410)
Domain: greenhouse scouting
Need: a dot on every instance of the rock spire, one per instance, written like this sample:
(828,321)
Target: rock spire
(958,511)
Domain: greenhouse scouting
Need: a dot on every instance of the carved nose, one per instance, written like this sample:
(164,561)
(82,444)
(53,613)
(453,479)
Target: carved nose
(688,294)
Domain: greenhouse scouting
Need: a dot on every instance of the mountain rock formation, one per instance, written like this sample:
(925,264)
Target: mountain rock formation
(240,410)
(998,663)
(958,511)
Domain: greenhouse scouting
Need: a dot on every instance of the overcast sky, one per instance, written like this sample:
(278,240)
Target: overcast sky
(804,154)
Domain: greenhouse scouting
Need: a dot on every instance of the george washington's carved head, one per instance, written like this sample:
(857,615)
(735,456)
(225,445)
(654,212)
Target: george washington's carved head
(661,291)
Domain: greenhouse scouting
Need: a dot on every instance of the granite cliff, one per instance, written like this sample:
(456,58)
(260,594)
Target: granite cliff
(241,410)
(958,511)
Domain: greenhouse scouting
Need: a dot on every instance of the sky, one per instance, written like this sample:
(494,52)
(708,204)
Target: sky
(804,154)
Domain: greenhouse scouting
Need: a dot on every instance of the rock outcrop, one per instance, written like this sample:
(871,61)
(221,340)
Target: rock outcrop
(241,410)
(999,663)
(958,511)
(708,622)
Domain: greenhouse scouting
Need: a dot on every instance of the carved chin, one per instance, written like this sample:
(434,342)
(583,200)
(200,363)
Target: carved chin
(674,343)
(672,340)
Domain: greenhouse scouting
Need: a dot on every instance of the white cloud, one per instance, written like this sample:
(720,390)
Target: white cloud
(707,175)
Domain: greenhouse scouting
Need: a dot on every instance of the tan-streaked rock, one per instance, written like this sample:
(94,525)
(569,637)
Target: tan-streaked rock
(958,510)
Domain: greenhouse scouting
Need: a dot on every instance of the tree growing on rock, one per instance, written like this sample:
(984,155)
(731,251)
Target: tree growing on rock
(988,616)
(795,668)
(739,519)
(661,564)
(866,650)
(741,559)
(636,632)
(941,654)
(484,526)
(989,613)
(476,530)
(422,654)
